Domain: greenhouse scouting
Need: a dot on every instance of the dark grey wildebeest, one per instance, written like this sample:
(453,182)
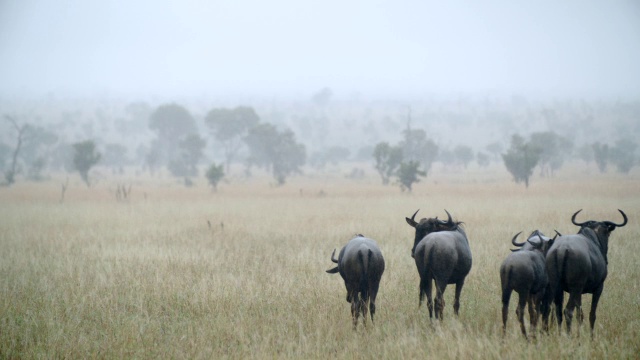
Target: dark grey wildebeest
(524,272)
(577,264)
(360,263)
(442,254)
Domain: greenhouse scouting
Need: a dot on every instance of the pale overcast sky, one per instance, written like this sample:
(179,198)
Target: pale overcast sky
(389,49)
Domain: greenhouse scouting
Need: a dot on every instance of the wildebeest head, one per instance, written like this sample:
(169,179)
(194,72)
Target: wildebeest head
(427,226)
(535,241)
(601,228)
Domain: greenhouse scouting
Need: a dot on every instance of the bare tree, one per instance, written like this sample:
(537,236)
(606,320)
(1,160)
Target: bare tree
(22,132)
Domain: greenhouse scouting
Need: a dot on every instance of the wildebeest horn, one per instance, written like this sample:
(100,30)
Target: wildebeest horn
(412,221)
(513,241)
(624,216)
(333,256)
(573,219)
(449,219)
(538,244)
(557,233)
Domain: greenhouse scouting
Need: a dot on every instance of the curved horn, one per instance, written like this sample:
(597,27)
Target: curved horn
(513,241)
(573,219)
(449,219)
(412,221)
(333,256)
(624,216)
(536,245)
(413,217)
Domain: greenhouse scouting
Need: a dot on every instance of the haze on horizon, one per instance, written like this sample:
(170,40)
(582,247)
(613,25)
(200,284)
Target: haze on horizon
(286,48)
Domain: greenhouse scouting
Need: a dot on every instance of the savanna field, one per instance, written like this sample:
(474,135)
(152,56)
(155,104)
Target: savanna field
(176,272)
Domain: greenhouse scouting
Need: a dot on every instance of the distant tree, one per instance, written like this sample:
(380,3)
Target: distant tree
(192,150)
(554,149)
(483,159)
(495,149)
(5,152)
(521,158)
(417,146)
(388,159)
(185,161)
(171,123)
(261,141)
(38,149)
(229,126)
(623,154)
(601,155)
(214,174)
(84,158)
(463,155)
(408,174)
(275,150)
(22,133)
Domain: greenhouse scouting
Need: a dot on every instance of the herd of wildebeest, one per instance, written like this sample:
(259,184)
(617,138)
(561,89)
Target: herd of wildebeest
(540,270)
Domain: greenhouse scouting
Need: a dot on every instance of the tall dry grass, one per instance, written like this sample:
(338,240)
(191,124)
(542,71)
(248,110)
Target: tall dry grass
(148,278)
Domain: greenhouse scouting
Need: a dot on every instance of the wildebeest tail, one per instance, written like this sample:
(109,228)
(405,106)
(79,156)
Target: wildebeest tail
(562,270)
(365,262)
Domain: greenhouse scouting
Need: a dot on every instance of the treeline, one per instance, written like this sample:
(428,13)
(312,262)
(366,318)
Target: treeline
(284,139)
(547,151)
(177,144)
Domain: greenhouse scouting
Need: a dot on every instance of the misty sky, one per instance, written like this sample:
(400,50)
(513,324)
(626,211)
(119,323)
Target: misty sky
(295,47)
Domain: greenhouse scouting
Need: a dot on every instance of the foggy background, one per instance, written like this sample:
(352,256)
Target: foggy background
(380,49)
(344,74)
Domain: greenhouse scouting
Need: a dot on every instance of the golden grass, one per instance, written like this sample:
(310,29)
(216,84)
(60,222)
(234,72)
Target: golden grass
(148,278)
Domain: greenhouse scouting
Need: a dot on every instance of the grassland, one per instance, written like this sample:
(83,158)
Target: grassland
(149,278)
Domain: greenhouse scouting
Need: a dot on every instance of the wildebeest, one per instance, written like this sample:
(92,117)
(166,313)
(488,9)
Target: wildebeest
(442,254)
(577,264)
(361,265)
(524,272)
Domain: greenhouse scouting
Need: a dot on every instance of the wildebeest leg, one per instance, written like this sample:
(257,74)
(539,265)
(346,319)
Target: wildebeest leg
(594,305)
(579,314)
(355,308)
(522,301)
(364,303)
(456,301)
(574,300)
(534,312)
(441,286)
(558,302)
(372,300)
(423,286)
(425,289)
(506,296)
(546,310)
